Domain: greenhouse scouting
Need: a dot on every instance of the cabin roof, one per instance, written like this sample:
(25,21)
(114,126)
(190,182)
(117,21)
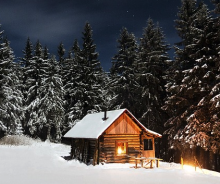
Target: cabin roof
(93,125)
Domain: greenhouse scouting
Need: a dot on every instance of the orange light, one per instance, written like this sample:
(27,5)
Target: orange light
(189,168)
(119,150)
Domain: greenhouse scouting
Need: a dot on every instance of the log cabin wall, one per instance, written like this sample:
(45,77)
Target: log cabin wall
(108,152)
(124,129)
(83,149)
(123,125)
(148,152)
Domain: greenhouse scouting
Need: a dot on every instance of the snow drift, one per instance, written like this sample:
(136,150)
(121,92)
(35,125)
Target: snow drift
(43,163)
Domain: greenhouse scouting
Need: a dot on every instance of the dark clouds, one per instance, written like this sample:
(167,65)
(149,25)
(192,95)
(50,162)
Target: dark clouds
(53,21)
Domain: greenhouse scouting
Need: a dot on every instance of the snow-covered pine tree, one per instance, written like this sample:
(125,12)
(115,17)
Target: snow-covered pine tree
(152,65)
(189,85)
(214,94)
(186,16)
(45,53)
(88,85)
(123,85)
(25,64)
(216,27)
(51,101)
(61,58)
(200,36)
(34,72)
(191,103)
(43,91)
(93,72)
(28,53)
(212,125)
(71,73)
(11,109)
(217,6)
(61,52)
(89,52)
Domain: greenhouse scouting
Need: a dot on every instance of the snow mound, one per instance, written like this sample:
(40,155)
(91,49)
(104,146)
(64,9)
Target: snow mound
(17,140)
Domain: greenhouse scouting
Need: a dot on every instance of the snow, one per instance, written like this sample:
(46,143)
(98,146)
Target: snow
(207,75)
(201,102)
(217,97)
(186,79)
(204,66)
(192,116)
(43,163)
(93,125)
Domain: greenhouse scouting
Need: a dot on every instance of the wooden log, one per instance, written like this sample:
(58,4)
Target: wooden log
(119,135)
(82,149)
(157,163)
(182,162)
(85,152)
(108,147)
(95,157)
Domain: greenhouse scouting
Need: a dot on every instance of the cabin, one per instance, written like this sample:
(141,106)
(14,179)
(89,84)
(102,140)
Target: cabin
(111,137)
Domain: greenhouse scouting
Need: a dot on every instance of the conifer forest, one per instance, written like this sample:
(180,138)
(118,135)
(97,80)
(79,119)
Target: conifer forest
(43,95)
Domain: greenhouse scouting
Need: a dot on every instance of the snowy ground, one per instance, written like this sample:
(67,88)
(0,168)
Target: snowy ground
(41,163)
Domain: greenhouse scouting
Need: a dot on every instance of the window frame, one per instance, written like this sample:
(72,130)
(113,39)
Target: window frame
(151,146)
(116,147)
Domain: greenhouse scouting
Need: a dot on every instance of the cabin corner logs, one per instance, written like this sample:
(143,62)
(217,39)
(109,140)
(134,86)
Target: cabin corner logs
(119,143)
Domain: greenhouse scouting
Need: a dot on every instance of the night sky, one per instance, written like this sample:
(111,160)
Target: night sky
(55,21)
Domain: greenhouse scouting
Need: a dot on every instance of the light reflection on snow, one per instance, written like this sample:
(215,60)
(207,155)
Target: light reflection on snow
(189,168)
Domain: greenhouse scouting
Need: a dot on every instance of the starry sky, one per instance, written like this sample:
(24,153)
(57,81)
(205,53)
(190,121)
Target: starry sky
(55,21)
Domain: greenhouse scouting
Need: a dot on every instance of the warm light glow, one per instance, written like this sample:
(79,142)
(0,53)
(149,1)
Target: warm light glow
(119,150)
(189,168)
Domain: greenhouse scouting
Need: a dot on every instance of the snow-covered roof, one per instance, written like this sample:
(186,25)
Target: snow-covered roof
(93,125)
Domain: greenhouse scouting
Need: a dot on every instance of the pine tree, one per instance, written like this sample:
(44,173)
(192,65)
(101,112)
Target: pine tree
(28,53)
(88,85)
(45,53)
(89,52)
(205,118)
(123,83)
(61,53)
(151,69)
(217,6)
(44,94)
(11,109)
(186,14)
(25,64)
(71,72)
(214,94)
(194,86)
(61,59)
(34,73)
(216,27)
(51,101)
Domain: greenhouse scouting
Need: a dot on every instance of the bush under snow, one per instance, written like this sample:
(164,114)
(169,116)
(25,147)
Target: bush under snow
(17,140)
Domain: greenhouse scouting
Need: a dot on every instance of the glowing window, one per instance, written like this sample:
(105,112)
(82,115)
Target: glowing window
(121,148)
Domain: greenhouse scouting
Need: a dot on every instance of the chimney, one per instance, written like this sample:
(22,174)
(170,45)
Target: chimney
(105,115)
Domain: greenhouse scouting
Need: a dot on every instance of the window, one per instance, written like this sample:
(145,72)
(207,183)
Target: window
(148,144)
(121,148)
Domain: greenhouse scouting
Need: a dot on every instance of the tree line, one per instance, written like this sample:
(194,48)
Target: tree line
(44,96)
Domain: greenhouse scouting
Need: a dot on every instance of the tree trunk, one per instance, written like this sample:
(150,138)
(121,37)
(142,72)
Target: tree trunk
(48,132)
